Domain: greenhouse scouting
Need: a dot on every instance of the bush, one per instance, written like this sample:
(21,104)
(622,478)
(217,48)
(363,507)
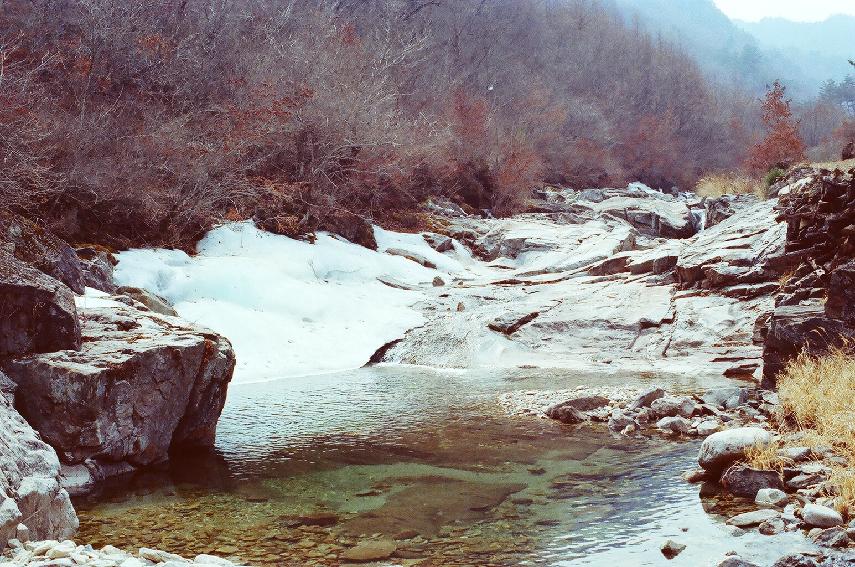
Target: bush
(773,176)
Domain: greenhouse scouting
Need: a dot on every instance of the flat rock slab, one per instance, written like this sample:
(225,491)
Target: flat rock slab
(366,551)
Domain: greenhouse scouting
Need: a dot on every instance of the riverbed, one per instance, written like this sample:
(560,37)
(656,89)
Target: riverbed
(429,463)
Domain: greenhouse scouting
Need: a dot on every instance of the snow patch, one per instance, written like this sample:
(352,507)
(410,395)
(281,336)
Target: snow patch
(290,308)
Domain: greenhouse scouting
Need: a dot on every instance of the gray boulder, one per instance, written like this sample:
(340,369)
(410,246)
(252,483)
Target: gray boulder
(721,449)
(832,537)
(755,518)
(796,560)
(566,413)
(32,501)
(728,398)
(142,384)
(771,497)
(37,312)
(97,265)
(821,516)
(736,562)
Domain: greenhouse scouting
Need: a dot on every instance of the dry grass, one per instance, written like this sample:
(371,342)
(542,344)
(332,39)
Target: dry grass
(842,165)
(818,397)
(719,184)
(765,457)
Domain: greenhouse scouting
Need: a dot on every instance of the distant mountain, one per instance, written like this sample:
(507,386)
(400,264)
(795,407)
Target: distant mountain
(730,52)
(825,46)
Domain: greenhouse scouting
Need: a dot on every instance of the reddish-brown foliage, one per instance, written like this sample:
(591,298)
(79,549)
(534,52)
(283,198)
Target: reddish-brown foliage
(782,145)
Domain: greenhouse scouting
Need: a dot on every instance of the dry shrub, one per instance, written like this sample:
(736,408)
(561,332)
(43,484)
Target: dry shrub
(718,184)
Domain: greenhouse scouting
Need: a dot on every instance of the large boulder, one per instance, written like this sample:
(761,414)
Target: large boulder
(37,312)
(721,449)
(32,244)
(142,384)
(33,502)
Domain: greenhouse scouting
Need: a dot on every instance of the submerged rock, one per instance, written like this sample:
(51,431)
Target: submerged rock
(368,551)
(141,384)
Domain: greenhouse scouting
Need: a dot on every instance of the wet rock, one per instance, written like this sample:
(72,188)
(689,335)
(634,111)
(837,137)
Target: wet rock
(412,256)
(142,384)
(618,421)
(566,413)
(771,498)
(671,549)
(742,480)
(796,560)
(438,282)
(646,398)
(368,551)
(750,519)
(821,516)
(586,403)
(151,301)
(37,312)
(832,537)
(720,449)
(318,519)
(674,425)
(33,504)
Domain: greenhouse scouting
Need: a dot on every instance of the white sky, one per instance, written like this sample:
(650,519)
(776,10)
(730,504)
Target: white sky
(800,10)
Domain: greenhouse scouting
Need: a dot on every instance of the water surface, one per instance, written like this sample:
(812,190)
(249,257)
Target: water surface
(305,468)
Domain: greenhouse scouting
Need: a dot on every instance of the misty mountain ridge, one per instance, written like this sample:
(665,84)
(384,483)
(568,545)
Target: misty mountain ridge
(752,54)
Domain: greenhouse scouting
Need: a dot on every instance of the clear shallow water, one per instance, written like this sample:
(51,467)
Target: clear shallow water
(306,468)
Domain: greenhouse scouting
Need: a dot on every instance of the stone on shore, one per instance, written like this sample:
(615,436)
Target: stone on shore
(373,550)
(646,398)
(821,516)
(721,449)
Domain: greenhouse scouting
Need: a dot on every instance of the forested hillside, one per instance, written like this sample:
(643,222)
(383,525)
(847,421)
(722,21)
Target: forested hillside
(143,122)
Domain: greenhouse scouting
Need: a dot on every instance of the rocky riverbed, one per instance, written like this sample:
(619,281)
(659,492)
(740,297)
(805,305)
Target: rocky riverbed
(602,295)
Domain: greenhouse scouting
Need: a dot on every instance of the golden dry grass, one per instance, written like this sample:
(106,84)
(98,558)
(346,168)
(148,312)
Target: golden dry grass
(765,457)
(842,165)
(818,398)
(719,184)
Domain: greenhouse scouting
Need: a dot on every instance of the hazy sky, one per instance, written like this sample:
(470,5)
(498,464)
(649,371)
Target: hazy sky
(804,10)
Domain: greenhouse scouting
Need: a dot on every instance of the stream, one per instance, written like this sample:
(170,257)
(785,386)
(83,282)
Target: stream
(305,468)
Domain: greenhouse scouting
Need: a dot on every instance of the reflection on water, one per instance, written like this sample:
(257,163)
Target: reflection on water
(306,468)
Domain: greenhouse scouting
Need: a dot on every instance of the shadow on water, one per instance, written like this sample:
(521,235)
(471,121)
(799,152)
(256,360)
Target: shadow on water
(306,468)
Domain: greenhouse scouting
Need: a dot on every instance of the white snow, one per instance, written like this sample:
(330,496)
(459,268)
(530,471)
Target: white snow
(290,307)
